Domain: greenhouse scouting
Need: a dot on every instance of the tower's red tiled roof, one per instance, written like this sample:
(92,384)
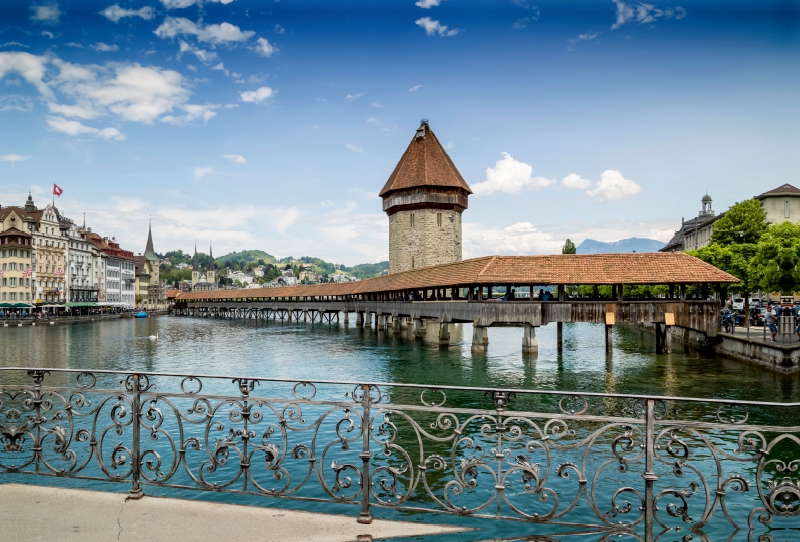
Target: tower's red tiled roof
(424,164)
(571,269)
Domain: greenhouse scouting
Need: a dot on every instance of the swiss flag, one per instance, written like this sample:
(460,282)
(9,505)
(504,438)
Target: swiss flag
(56,190)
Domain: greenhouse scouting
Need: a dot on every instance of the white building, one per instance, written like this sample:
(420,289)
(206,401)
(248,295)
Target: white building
(82,272)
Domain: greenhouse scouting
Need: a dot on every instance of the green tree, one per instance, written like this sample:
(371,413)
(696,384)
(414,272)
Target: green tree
(569,248)
(744,223)
(736,260)
(777,260)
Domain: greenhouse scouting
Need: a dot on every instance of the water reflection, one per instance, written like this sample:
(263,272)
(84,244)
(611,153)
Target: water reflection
(346,352)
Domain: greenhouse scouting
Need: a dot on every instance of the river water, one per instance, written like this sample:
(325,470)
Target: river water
(322,351)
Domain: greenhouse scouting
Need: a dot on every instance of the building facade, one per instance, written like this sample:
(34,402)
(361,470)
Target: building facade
(82,286)
(120,274)
(424,197)
(782,204)
(51,256)
(16,251)
(149,291)
(204,281)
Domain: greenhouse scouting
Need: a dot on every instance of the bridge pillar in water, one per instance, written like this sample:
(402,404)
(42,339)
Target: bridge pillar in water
(346,317)
(530,344)
(380,321)
(305,315)
(367,319)
(560,335)
(609,344)
(477,339)
(359,318)
(663,339)
(419,329)
(444,333)
(396,325)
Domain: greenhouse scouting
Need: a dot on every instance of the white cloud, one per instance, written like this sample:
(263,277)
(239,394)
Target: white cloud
(201,54)
(353,147)
(47,34)
(46,14)
(644,13)
(518,239)
(200,172)
(115,13)
(509,176)
(16,102)
(614,186)
(73,128)
(519,24)
(587,36)
(73,44)
(279,29)
(15,44)
(193,112)
(256,96)
(265,48)
(221,67)
(449,146)
(353,97)
(415,88)
(180,4)
(372,119)
(235,158)
(100,46)
(428,4)
(14,158)
(215,34)
(435,27)
(30,67)
(573,180)
(376,104)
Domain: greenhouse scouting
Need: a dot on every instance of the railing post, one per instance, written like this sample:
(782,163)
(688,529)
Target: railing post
(136,491)
(649,476)
(365,455)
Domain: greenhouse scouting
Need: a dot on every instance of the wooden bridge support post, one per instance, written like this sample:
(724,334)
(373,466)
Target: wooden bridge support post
(477,340)
(444,334)
(609,343)
(367,319)
(659,338)
(305,315)
(530,344)
(359,318)
(667,339)
(346,317)
(560,335)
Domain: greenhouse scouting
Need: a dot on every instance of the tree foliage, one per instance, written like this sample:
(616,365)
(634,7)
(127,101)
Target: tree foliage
(777,260)
(744,223)
(569,248)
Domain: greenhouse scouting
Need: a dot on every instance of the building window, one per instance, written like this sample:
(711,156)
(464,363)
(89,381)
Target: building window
(786,209)
(412,220)
(438,219)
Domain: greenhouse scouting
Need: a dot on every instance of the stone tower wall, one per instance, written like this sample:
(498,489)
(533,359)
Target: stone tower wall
(426,242)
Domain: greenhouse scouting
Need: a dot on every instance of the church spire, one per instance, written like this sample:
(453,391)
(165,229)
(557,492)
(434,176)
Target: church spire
(149,252)
(194,260)
(210,257)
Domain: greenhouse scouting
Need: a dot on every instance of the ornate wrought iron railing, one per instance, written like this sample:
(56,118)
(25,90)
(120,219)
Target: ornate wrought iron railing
(641,466)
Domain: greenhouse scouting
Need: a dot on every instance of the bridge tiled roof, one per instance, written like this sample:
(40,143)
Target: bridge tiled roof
(425,164)
(572,269)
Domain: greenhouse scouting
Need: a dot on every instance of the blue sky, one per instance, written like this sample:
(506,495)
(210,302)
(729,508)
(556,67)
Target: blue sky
(273,125)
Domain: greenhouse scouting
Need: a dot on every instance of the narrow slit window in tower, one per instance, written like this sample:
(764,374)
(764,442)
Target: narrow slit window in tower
(412,220)
(438,219)
(786,208)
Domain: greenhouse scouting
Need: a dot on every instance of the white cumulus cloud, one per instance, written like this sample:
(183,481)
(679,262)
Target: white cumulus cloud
(13,158)
(509,176)
(100,46)
(353,148)
(215,34)
(235,158)
(256,96)
(644,13)
(573,180)
(435,27)
(614,186)
(415,88)
(46,14)
(201,54)
(353,97)
(192,112)
(73,128)
(428,4)
(180,4)
(30,67)
(116,13)
(265,48)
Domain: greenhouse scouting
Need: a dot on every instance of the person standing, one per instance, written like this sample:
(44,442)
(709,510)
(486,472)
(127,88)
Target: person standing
(771,321)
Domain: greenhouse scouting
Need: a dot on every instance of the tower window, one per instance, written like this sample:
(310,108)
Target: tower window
(786,208)
(412,220)
(438,219)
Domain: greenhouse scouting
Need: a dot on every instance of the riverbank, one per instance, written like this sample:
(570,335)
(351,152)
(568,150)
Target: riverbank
(49,513)
(20,322)
(757,348)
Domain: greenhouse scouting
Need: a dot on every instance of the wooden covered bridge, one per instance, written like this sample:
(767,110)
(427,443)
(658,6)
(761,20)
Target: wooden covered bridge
(464,292)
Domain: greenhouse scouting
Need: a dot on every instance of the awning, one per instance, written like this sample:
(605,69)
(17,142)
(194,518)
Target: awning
(80,304)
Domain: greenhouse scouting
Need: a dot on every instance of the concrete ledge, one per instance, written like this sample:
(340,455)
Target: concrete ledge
(30,513)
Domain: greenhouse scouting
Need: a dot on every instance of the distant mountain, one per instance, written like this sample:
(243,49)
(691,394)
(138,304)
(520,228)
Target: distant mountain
(246,256)
(634,244)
